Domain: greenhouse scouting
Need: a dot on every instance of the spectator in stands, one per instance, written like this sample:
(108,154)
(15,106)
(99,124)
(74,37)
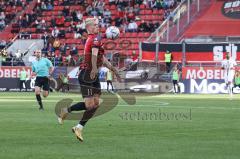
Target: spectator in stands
(139,2)
(122,3)
(55,32)
(159,4)
(111,2)
(79,15)
(106,13)
(94,12)
(166,13)
(44,49)
(45,38)
(132,26)
(3,44)
(2,24)
(156,25)
(60,20)
(143,26)
(89,9)
(32,17)
(65,2)
(28,22)
(130,15)
(151,26)
(63,49)
(36,22)
(74,16)
(53,21)
(81,27)
(58,60)
(77,35)
(100,6)
(68,60)
(43,6)
(50,48)
(2,16)
(169,3)
(118,21)
(43,26)
(152,4)
(136,9)
(22,22)
(66,11)
(56,43)
(62,33)
(49,6)
(74,50)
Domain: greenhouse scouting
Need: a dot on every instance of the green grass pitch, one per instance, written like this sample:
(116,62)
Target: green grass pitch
(189,127)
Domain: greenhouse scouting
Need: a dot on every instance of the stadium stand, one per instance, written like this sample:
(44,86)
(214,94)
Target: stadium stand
(60,25)
(216,22)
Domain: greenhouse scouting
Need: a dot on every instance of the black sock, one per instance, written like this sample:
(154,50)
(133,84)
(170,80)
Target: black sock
(88,114)
(77,107)
(39,99)
(174,87)
(179,91)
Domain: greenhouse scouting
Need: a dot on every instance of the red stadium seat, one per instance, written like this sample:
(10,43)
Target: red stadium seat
(113,7)
(142,6)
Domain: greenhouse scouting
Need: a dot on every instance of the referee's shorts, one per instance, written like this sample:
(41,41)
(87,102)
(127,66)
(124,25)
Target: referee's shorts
(42,82)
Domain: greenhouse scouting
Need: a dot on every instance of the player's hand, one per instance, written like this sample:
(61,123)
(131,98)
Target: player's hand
(93,73)
(117,74)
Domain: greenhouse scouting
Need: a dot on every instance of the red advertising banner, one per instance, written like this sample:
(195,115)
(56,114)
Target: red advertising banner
(13,72)
(203,73)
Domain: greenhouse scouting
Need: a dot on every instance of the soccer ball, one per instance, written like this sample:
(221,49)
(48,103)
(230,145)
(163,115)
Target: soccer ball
(112,32)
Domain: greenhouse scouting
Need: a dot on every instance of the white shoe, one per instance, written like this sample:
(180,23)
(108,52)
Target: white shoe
(62,115)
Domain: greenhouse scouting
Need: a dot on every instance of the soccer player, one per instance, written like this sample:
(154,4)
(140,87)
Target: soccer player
(88,78)
(42,68)
(228,65)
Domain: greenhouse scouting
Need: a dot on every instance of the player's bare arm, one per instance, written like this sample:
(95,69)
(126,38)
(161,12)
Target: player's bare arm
(109,66)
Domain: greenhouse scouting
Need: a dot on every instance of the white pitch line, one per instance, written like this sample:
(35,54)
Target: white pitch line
(156,105)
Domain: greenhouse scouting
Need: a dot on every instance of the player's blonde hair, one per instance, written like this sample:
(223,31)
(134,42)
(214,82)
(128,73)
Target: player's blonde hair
(90,21)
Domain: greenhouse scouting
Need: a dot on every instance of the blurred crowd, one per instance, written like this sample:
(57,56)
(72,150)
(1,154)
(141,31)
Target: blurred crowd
(126,16)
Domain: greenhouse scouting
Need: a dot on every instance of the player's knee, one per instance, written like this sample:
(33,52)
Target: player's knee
(96,103)
(37,92)
(89,104)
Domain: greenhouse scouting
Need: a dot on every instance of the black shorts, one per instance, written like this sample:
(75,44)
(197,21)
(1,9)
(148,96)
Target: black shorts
(175,82)
(42,82)
(89,87)
(235,85)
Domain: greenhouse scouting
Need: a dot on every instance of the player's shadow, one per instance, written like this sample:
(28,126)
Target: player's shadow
(109,101)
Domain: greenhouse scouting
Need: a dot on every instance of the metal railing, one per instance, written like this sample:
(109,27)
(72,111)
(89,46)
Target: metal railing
(178,20)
